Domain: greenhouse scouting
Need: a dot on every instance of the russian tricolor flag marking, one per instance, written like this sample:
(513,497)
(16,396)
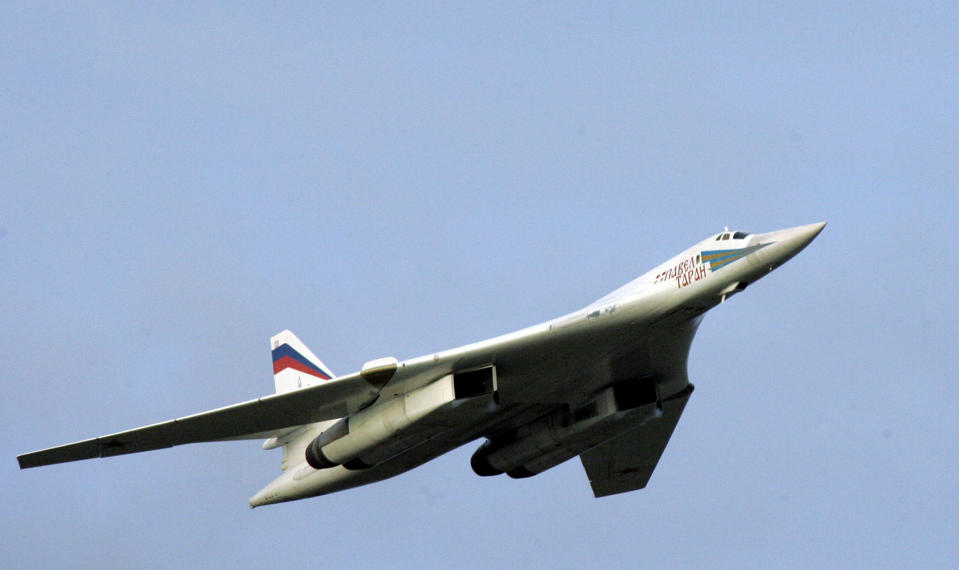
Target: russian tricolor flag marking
(284,356)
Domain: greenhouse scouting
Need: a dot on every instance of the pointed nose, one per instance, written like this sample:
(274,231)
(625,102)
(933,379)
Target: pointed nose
(790,241)
(799,237)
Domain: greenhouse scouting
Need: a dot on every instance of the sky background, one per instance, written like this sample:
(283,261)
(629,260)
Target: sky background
(181,182)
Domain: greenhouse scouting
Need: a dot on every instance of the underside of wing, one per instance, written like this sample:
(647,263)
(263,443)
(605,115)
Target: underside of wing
(329,400)
(626,462)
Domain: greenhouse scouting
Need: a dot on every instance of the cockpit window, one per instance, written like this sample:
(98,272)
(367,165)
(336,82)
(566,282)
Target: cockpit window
(740,235)
(725,236)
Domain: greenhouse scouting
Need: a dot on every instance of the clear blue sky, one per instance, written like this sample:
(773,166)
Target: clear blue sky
(180,182)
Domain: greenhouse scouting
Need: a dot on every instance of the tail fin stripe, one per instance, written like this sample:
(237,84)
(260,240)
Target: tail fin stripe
(284,356)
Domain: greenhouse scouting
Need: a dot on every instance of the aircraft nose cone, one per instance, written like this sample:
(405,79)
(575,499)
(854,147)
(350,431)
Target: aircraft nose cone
(807,233)
(794,239)
(790,241)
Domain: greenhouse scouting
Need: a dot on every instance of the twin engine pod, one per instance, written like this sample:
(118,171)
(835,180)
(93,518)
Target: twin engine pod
(566,433)
(378,432)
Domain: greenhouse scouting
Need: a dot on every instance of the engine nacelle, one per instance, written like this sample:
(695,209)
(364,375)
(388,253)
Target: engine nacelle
(314,452)
(377,433)
(566,433)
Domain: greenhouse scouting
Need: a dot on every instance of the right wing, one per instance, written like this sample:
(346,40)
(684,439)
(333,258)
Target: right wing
(325,401)
(626,462)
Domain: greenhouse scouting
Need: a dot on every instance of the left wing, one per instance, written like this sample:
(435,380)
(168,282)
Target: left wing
(626,462)
(325,401)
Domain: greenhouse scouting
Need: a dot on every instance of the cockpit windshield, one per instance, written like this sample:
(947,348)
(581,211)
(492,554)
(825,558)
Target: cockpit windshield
(734,235)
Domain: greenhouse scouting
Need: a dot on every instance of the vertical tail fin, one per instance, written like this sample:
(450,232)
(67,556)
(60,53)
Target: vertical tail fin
(295,365)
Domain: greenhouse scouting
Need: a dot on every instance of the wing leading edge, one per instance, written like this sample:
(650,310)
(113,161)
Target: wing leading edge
(254,418)
(625,463)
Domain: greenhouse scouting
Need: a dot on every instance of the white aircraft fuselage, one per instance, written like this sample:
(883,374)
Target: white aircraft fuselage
(574,352)
(607,382)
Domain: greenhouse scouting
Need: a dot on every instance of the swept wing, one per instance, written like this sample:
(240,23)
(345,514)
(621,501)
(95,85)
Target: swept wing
(253,419)
(626,463)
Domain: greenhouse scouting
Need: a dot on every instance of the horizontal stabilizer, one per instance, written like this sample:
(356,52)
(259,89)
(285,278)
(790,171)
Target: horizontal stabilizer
(252,419)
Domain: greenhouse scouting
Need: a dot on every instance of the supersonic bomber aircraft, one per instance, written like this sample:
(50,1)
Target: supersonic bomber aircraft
(607,383)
